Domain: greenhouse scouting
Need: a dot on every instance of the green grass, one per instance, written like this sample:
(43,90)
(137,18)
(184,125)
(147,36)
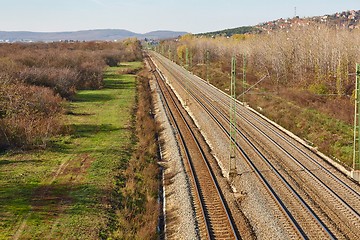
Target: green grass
(63,192)
(132,65)
(331,136)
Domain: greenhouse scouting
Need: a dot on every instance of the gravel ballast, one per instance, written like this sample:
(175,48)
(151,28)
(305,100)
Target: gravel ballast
(180,218)
(253,200)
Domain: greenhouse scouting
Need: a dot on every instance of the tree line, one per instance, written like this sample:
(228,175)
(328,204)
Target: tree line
(314,57)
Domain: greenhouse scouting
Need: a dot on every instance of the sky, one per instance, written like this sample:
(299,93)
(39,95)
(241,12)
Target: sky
(143,16)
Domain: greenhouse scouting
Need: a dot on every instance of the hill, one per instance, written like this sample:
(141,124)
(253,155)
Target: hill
(86,35)
(231,31)
(347,19)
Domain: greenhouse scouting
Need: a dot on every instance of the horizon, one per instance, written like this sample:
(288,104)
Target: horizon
(107,29)
(141,16)
(162,30)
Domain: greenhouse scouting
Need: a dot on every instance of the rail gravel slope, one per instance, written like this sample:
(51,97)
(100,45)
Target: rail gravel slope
(329,200)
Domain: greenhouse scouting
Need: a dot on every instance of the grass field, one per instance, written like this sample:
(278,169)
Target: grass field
(63,192)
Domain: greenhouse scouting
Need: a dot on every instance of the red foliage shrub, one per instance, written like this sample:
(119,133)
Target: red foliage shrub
(61,80)
(90,75)
(112,58)
(34,77)
(29,115)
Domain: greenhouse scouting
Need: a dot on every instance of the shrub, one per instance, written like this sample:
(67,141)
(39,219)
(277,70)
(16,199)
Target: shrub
(29,116)
(34,77)
(318,88)
(112,58)
(90,75)
(62,80)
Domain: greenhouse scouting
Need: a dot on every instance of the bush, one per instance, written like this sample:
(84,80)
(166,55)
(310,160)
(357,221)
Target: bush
(318,88)
(112,59)
(90,75)
(34,77)
(62,80)
(29,116)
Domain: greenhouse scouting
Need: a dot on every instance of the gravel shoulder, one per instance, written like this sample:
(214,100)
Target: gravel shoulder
(180,220)
(251,199)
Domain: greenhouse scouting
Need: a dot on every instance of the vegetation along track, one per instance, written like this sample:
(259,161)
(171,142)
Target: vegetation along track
(214,220)
(315,190)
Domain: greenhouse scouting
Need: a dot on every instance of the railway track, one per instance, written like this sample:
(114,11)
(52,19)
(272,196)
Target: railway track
(213,218)
(336,202)
(331,200)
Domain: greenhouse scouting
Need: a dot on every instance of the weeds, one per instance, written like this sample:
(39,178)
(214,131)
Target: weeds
(136,210)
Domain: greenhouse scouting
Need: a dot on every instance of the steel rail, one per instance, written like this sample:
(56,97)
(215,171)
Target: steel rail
(335,195)
(258,173)
(192,168)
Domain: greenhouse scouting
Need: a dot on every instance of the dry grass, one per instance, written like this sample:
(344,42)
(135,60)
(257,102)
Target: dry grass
(172,220)
(136,209)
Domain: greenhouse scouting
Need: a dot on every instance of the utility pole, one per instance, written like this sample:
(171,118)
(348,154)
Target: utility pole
(355,173)
(356,159)
(187,59)
(244,78)
(186,81)
(232,165)
(207,65)
(176,57)
(190,60)
(170,55)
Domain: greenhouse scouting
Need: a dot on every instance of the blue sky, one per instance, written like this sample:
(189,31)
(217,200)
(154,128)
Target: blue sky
(147,15)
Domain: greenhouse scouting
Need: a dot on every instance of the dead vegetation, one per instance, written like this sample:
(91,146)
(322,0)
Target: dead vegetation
(36,80)
(135,201)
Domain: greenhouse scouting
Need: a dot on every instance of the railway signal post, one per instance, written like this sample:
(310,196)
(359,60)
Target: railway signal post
(355,174)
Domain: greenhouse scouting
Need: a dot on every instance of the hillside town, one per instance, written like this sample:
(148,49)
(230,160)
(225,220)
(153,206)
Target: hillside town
(347,19)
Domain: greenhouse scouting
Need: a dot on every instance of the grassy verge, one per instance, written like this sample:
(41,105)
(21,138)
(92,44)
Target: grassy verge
(135,208)
(330,135)
(67,191)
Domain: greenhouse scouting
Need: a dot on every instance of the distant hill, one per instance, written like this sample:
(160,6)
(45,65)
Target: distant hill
(86,35)
(347,19)
(231,31)
(163,34)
